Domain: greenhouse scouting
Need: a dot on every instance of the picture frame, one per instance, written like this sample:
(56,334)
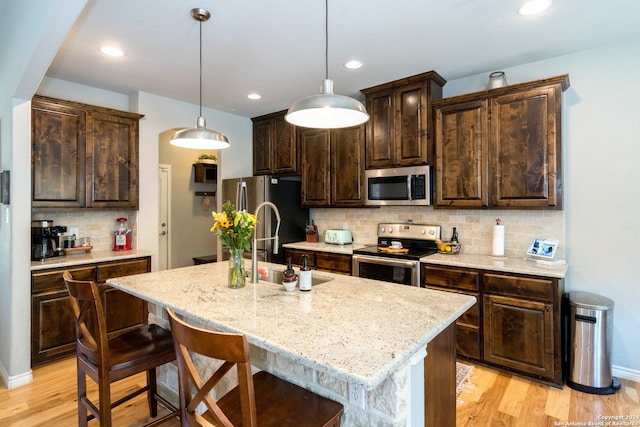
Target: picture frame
(543,249)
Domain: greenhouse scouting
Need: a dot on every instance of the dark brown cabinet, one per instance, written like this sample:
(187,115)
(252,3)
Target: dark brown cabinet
(501,148)
(274,145)
(52,324)
(83,156)
(468,326)
(332,167)
(516,323)
(400,130)
(323,261)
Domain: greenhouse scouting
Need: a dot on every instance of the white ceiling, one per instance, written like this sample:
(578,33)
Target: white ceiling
(276,47)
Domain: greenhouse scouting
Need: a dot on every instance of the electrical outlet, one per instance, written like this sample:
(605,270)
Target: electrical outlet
(345,225)
(73,230)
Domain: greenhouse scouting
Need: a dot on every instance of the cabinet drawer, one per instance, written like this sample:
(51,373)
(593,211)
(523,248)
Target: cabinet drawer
(296,257)
(334,263)
(468,341)
(450,278)
(541,289)
(471,317)
(53,281)
(122,268)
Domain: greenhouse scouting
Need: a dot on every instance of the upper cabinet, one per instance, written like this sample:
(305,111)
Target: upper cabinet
(332,167)
(83,156)
(400,130)
(501,148)
(274,145)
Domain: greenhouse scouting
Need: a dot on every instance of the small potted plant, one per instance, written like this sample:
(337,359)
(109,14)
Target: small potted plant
(211,159)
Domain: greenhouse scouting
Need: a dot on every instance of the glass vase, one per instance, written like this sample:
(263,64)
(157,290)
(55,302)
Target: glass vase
(236,268)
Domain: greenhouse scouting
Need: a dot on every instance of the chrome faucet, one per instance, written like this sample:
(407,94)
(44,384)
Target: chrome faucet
(254,246)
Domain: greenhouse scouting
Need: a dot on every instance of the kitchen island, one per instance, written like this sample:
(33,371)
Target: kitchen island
(360,342)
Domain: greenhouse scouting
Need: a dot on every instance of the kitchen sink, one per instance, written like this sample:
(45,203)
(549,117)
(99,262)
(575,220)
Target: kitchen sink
(275,276)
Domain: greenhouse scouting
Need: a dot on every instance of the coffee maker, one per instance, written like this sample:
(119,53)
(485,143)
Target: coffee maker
(45,239)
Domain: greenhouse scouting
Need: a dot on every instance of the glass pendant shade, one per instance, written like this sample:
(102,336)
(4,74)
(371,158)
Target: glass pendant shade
(200,137)
(327,110)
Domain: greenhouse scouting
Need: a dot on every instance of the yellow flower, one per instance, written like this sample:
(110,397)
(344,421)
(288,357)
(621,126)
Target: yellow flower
(233,228)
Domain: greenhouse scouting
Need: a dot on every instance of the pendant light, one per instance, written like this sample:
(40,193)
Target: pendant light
(200,137)
(327,110)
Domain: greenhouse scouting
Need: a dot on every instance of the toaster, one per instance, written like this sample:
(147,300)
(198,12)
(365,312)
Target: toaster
(338,237)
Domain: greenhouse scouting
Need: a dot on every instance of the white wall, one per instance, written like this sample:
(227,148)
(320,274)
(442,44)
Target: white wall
(31,33)
(190,223)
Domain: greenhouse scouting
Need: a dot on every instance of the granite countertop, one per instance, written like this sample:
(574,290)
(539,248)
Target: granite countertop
(358,329)
(87,258)
(325,247)
(509,265)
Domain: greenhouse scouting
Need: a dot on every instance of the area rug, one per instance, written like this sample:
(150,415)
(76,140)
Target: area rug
(463,377)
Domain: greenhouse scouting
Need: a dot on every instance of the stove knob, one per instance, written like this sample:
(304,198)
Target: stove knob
(423,231)
(432,232)
(390,230)
(382,230)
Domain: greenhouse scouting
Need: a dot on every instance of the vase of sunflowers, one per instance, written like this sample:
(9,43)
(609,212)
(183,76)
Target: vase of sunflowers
(234,228)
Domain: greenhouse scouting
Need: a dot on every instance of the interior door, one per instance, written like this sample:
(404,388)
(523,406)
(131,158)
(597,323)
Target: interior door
(164,217)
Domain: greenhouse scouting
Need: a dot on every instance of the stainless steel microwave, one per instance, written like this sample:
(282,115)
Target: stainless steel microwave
(398,186)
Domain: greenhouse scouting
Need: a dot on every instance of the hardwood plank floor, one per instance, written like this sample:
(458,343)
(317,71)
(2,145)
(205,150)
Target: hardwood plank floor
(500,399)
(51,400)
(497,399)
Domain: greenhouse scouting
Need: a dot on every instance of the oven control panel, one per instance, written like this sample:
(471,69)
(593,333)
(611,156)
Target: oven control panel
(409,231)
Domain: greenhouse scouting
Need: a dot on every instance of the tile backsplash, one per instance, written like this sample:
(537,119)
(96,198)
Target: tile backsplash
(475,227)
(97,225)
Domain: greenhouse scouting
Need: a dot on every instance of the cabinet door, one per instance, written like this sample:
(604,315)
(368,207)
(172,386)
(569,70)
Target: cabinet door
(334,263)
(411,125)
(461,148)
(112,160)
(123,311)
(519,334)
(262,150)
(316,167)
(53,329)
(347,170)
(285,158)
(58,155)
(525,148)
(380,130)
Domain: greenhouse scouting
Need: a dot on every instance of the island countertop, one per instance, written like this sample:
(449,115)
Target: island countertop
(358,329)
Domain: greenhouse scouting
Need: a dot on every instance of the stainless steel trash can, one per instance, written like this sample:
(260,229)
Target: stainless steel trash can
(590,343)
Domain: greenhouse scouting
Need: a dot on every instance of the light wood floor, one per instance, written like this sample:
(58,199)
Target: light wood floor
(51,400)
(497,399)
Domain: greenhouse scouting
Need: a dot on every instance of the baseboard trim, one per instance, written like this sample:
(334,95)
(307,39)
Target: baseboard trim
(15,380)
(626,373)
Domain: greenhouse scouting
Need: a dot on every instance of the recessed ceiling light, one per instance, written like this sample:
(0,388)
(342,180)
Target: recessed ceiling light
(111,51)
(534,6)
(254,96)
(352,65)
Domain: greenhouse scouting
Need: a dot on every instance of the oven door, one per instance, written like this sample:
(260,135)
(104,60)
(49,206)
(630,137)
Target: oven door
(402,271)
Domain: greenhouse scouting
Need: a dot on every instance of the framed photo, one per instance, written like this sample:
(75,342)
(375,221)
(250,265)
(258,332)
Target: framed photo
(543,249)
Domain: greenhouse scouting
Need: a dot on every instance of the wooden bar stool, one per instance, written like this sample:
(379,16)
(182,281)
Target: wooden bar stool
(262,400)
(106,360)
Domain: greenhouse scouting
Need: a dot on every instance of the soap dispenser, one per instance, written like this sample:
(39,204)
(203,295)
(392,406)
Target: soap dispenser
(305,274)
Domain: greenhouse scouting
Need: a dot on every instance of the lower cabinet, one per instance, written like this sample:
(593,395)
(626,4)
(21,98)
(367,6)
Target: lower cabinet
(52,325)
(516,323)
(325,261)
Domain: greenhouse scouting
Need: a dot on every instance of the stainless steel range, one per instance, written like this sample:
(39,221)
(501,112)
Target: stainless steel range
(396,257)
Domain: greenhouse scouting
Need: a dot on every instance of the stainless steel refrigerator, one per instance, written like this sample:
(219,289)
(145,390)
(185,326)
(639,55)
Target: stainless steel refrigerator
(284,192)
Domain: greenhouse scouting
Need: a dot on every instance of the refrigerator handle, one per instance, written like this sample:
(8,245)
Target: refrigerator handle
(241,196)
